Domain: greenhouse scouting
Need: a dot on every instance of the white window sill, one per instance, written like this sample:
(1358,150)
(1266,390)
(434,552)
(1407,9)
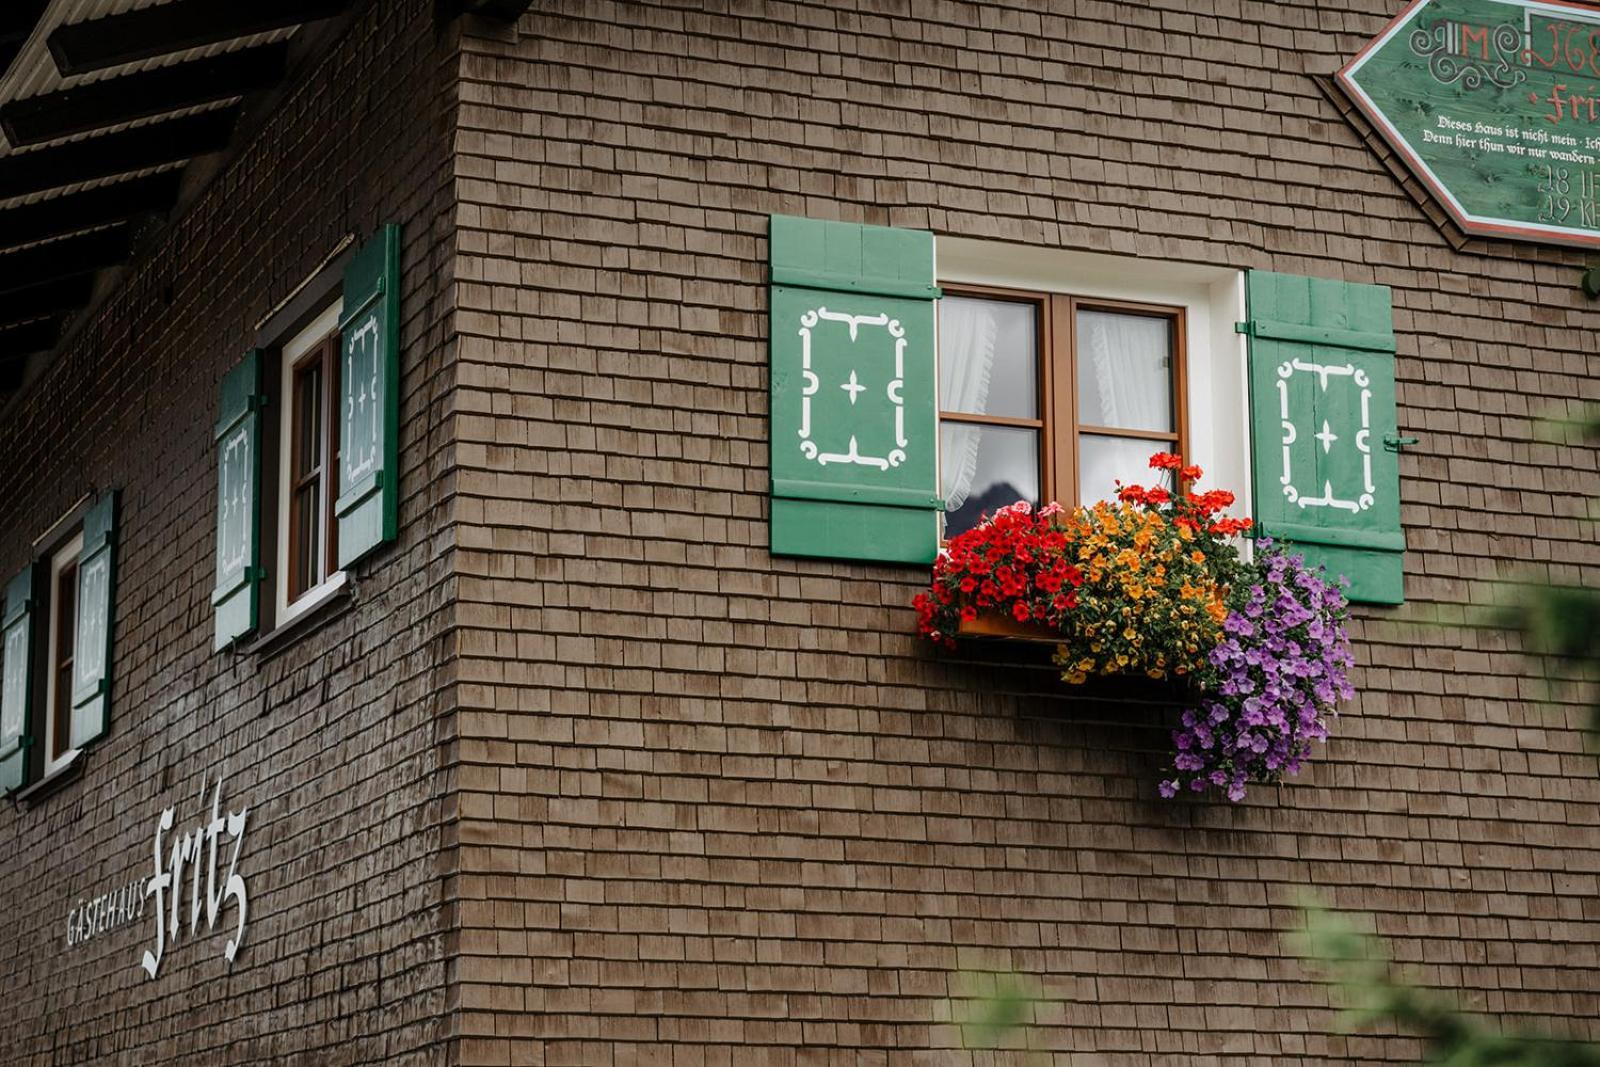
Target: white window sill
(54,779)
(311,612)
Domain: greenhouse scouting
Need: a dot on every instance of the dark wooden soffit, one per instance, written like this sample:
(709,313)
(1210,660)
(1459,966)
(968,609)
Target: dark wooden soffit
(17,19)
(116,153)
(157,31)
(19,342)
(50,298)
(59,216)
(66,258)
(94,106)
(52,247)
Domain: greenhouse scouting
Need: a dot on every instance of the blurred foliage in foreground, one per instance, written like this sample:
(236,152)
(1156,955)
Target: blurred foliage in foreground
(1562,621)
(1373,994)
(994,1009)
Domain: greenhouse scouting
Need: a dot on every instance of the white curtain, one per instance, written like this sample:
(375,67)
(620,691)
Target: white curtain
(967,330)
(1126,358)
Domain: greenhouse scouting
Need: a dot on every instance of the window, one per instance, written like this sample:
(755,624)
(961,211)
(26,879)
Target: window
(61,645)
(57,620)
(1051,396)
(307,461)
(294,506)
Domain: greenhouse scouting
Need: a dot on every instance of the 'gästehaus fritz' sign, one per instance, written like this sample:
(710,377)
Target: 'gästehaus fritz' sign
(1495,104)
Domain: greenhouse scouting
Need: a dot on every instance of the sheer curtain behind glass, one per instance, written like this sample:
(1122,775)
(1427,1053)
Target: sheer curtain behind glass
(988,394)
(967,330)
(1124,383)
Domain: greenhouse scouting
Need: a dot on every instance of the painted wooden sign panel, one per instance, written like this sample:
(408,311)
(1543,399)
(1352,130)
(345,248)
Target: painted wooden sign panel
(1495,106)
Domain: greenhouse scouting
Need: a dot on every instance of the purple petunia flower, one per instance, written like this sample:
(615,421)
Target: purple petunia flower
(1273,683)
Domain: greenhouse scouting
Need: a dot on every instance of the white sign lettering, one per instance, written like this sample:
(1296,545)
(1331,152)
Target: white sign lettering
(195,853)
(90,918)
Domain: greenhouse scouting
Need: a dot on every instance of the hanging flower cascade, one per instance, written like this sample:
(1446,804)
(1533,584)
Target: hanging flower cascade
(1151,585)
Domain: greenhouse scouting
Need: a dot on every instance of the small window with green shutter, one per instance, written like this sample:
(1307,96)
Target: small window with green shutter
(56,678)
(17,719)
(307,446)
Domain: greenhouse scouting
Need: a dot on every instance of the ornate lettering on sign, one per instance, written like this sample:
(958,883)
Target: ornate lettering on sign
(1460,51)
(195,854)
(810,321)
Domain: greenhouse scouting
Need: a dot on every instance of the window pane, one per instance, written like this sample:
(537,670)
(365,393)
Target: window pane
(1103,460)
(1124,371)
(307,550)
(984,468)
(308,420)
(988,357)
(66,592)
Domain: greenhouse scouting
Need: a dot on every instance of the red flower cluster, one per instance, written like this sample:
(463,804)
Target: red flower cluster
(1197,511)
(1013,563)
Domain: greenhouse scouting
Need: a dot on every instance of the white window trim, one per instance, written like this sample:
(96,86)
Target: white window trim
(1212,299)
(295,348)
(63,558)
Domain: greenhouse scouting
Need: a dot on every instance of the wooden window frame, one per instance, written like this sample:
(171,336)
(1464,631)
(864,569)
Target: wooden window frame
(315,342)
(323,357)
(62,631)
(1056,358)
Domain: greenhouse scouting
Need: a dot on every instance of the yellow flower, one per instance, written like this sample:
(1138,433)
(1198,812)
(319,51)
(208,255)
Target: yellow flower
(1156,672)
(1198,556)
(1076,678)
(1130,634)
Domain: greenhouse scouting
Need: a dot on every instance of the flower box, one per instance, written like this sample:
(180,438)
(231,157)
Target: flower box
(1002,627)
(1148,594)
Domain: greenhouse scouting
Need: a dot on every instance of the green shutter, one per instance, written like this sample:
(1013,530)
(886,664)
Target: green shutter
(1323,424)
(91,655)
(854,422)
(16,668)
(236,598)
(369,399)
